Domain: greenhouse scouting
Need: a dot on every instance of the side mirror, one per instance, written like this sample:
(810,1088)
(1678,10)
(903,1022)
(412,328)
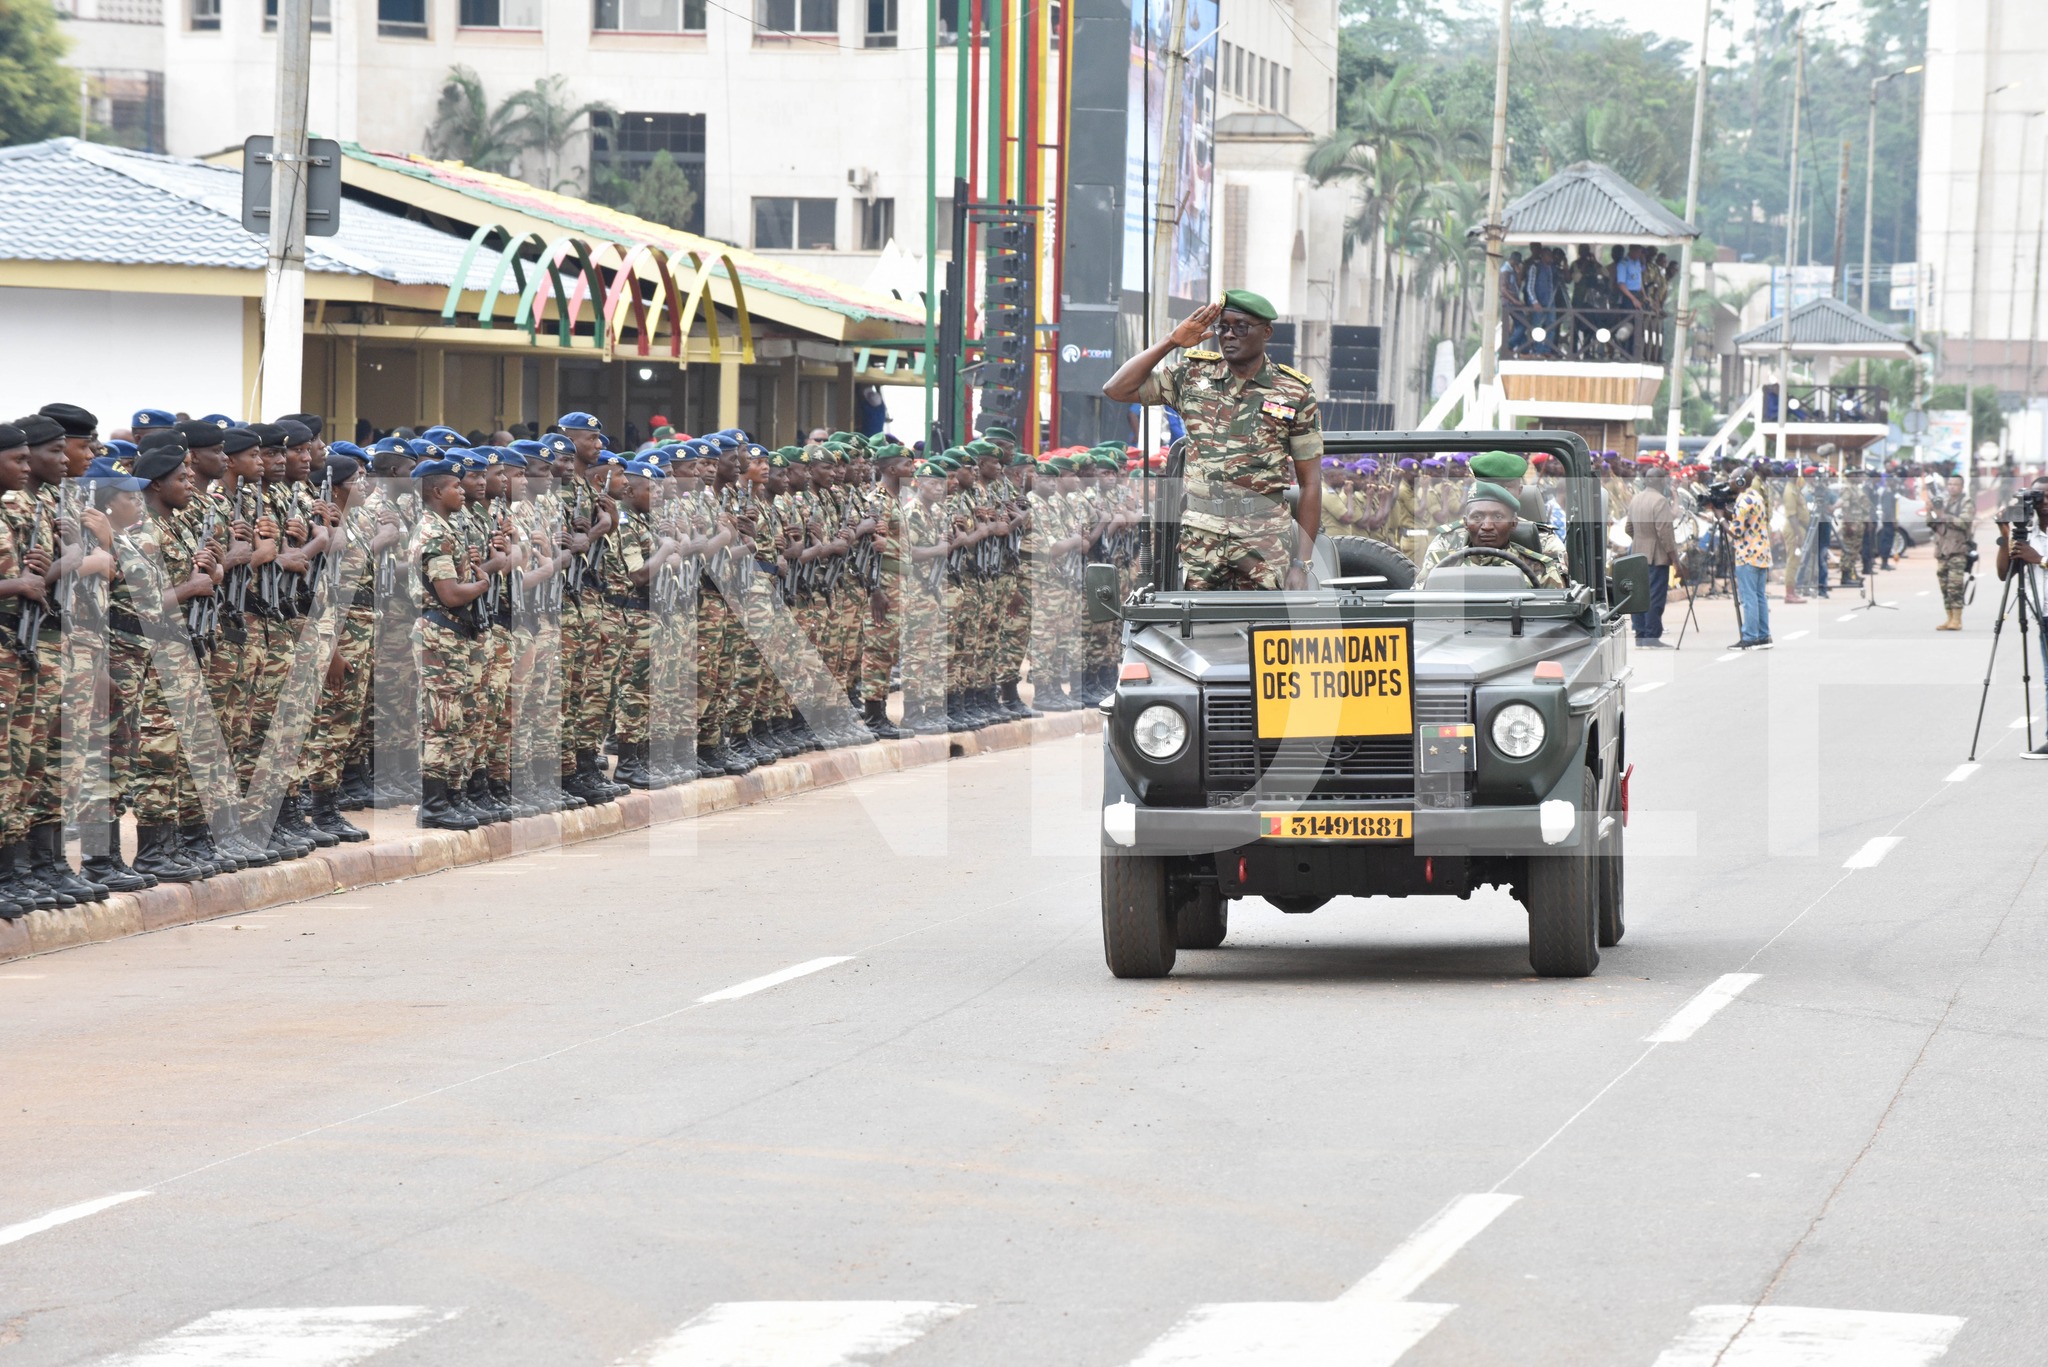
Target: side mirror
(1099,595)
(1628,584)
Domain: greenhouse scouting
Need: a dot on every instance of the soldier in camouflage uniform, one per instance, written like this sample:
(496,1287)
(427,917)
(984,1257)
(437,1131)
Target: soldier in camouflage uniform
(1484,536)
(364,534)
(23,588)
(1852,524)
(444,639)
(1253,430)
(930,598)
(895,581)
(1951,519)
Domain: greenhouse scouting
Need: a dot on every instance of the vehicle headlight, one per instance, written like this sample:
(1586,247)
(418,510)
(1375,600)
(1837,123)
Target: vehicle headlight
(1518,730)
(1161,731)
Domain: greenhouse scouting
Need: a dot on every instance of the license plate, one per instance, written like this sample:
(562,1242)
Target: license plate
(1338,825)
(1326,682)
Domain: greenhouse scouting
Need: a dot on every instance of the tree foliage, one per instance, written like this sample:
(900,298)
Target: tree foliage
(663,194)
(38,99)
(527,134)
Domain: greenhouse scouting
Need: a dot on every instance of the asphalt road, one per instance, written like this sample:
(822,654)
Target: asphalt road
(513,1114)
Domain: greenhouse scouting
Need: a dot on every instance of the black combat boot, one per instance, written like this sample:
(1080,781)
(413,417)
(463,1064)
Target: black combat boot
(436,812)
(292,816)
(324,808)
(46,844)
(157,854)
(196,847)
(354,794)
(1013,701)
(876,718)
(632,767)
(590,761)
(477,796)
(100,846)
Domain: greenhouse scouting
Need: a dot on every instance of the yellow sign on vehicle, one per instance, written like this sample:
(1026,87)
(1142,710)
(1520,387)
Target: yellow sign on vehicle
(1337,825)
(1326,682)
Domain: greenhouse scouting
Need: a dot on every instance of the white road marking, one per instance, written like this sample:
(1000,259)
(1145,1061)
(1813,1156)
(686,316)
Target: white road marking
(1731,655)
(1848,617)
(1429,1248)
(1790,636)
(1370,1325)
(1923,593)
(2018,724)
(20,977)
(1962,771)
(14,1234)
(1791,1336)
(796,1333)
(1708,1003)
(1873,852)
(317,1336)
(1646,687)
(762,984)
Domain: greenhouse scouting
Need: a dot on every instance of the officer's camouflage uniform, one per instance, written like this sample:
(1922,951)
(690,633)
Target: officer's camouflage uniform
(1547,564)
(1953,526)
(1852,521)
(442,653)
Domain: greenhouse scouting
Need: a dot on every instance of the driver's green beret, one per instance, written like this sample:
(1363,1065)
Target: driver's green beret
(1485,491)
(1244,301)
(1498,465)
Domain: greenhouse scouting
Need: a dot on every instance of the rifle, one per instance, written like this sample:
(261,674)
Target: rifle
(198,626)
(30,624)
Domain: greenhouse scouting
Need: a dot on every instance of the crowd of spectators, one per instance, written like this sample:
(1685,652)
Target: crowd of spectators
(1580,308)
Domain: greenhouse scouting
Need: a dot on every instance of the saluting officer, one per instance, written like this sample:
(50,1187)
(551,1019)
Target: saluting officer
(1253,429)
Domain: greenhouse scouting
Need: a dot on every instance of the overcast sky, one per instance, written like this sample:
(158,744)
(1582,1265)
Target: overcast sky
(1680,19)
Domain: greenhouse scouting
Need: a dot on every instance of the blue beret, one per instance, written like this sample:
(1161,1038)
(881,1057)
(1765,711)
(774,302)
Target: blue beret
(526,446)
(445,437)
(422,449)
(433,467)
(755,451)
(120,450)
(508,456)
(103,471)
(556,444)
(349,449)
(579,422)
(724,441)
(388,445)
(146,419)
(220,420)
(646,469)
(609,458)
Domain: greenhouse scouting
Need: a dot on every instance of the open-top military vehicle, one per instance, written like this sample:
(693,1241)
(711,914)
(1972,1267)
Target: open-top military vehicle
(1369,736)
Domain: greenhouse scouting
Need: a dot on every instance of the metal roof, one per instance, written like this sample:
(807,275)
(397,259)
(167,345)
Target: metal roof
(1827,326)
(601,221)
(1265,126)
(1588,202)
(66,200)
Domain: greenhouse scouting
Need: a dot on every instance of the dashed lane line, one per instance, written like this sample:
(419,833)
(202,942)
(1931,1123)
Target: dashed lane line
(309,1336)
(775,979)
(1961,772)
(1872,852)
(12,1234)
(1797,1336)
(1705,1005)
(796,1333)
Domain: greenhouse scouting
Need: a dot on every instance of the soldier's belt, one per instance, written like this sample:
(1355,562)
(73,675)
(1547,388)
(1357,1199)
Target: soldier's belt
(638,602)
(891,565)
(449,622)
(1236,506)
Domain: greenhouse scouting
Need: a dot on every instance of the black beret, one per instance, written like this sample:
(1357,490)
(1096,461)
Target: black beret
(236,440)
(37,429)
(160,436)
(309,421)
(295,433)
(199,433)
(342,469)
(158,461)
(75,421)
(11,437)
(268,433)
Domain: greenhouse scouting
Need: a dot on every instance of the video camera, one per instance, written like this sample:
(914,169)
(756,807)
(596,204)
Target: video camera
(1718,497)
(2025,506)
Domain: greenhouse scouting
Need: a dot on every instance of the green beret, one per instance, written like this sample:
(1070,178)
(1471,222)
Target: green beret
(1244,301)
(1059,465)
(789,452)
(978,449)
(957,454)
(1483,491)
(1498,465)
(931,469)
(840,436)
(782,460)
(1022,457)
(1111,460)
(999,434)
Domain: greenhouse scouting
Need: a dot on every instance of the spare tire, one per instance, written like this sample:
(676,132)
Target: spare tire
(1358,555)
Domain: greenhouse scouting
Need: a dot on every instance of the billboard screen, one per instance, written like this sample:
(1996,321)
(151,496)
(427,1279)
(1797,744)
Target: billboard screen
(1144,139)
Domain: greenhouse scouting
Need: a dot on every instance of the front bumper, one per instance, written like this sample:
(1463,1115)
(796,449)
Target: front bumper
(1467,831)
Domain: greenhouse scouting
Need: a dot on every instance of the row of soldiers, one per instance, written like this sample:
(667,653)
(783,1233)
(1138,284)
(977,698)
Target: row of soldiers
(238,632)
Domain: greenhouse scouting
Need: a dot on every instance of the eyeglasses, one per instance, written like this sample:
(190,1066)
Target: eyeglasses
(1236,329)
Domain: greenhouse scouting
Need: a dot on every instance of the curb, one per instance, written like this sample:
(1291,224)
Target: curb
(419,853)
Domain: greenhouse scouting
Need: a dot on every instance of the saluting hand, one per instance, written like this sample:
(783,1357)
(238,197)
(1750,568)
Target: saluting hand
(1195,326)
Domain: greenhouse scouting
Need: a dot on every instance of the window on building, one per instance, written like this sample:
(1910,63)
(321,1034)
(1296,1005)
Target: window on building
(785,224)
(1286,90)
(877,222)
(944,234)
(649,16)
(1237,86)
(323,16)
(1223,67)
(204,16)
(951,14)
(881,28)
(512,14)
(402,18)
(621,146)
(797,16)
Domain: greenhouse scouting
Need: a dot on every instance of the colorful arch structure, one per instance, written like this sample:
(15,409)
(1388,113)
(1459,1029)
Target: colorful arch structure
(647,288)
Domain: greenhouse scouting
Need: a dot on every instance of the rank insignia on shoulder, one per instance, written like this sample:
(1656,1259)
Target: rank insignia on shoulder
(1205,355)
(1292,373)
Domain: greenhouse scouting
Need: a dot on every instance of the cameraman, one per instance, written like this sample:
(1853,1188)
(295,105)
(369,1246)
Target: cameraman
(1751,528)
(2028,554)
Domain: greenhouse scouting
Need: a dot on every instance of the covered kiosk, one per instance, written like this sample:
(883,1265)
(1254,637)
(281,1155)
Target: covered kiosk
(1814,420)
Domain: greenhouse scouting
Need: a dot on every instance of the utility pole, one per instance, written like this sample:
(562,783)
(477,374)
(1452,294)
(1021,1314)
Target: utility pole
(1791,240)
(1870,202)
(1496,193)
(284,276)
(1839,288)
(1692,203)
(1166,208)
(2034,315)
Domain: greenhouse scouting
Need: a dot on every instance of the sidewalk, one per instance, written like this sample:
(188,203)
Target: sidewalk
(397,849)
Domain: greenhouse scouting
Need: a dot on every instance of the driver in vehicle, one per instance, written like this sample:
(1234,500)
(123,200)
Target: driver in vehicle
(1487,535)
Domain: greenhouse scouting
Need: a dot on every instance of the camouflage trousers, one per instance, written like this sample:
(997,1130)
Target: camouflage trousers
(14,676)
(882,642)
(88,721)
(160,782)
(814,623)
(927,646)
(493,730)
(394,687)
(266,665)
(32,735)
(849,624)
(535,707)
(581,638)
(1952,572)
(1253,554)
(443,660)
(1013,625)
(1054,629)
(671,720)
(632,663)
(339,713)
(1850,566)
(222,673)
(602,678)
(714,666)
(963,603)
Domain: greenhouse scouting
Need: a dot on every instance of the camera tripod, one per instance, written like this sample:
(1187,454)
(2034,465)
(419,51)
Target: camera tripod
(1868,564)
(1718,564)
(2028,605)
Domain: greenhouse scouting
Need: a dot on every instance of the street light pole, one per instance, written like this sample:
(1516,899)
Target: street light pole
(1870,203)
(284,275)
(1683,317)
(1496,193)
(1791,238)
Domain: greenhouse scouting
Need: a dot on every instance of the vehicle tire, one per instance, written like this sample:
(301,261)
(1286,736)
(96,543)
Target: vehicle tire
(1137,920)
(1612,878)
(1202,920)
(1362,555)
(1564,904)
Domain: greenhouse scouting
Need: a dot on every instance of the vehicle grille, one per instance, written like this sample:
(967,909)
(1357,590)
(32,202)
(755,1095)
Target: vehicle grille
(1235,760)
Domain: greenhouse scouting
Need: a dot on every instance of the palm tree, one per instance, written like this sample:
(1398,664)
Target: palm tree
(464,128)
(1386,128)
(541,121)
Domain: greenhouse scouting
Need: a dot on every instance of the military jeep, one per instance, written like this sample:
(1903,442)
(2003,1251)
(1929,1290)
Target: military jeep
(1369,736)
